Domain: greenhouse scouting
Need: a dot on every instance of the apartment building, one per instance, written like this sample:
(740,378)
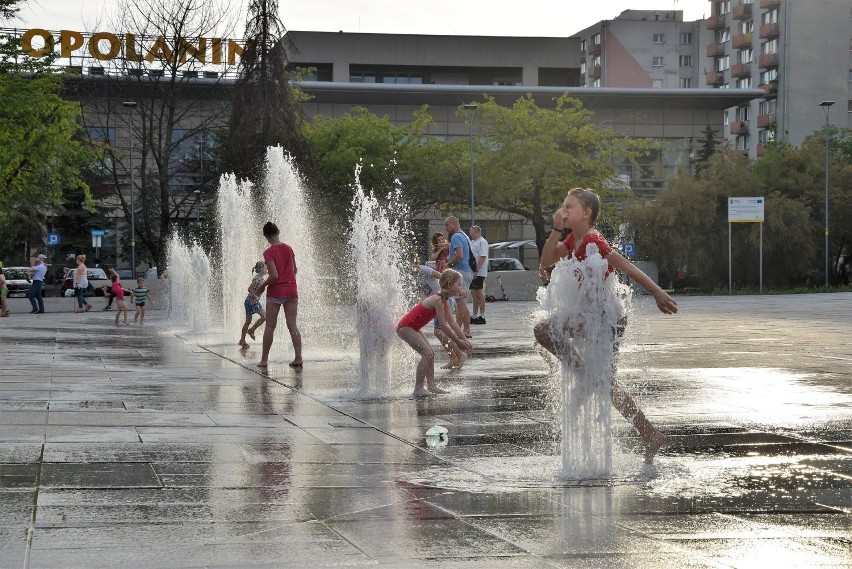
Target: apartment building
(799,52)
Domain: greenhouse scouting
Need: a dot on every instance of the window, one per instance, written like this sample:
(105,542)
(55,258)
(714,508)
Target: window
(743,142)
(766,107)
(596,60)
(768,76)
(596,39)
(765,136)
(723,63)
(747,27)
(685,83)
(769,47)
(404,78)
(686,37)
(596,83)
(583,66)
(745,55)
(658,62)
(744,83)
(659,38)
(725,7)
(190,158)
(769,17)
(725,119)
(450,79)
(506,81)
(583,45)
(685,61)
(362,77)
(657,84)
(723,36)
(743,113)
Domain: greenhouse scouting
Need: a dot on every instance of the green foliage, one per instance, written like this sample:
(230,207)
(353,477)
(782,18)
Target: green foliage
(706,149)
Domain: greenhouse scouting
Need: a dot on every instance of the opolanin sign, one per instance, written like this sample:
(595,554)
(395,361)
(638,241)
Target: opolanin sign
(107,46)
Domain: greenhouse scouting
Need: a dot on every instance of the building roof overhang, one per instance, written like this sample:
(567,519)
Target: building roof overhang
(592,98)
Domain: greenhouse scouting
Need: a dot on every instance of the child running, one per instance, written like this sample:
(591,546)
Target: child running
(409,329)
(578,213)
(140,296)
(120,305)
(253,305)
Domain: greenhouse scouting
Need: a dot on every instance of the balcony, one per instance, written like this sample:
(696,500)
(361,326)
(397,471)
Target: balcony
(765,121)
(594,72)
(741,41)
(716,50)
(769,31)
(768,60)
(715,78)
(741,70)
(771,89)
(741,11)
(769,3)
(715,22)
(739,127)
(594,49)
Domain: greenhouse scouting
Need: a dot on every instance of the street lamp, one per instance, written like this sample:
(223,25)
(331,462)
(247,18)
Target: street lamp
(197,208)
(130,105)
(471,107)
(826,105)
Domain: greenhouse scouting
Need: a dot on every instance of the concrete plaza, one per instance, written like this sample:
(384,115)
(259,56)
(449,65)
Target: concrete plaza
(133,447)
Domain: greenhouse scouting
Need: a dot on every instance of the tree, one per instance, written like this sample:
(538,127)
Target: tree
(528,157)
(177,122)
(706,149)
(265,110)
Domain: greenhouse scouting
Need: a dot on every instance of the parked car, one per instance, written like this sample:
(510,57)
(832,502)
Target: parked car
(97,278)
(505,264)
(18,280)
(125,274)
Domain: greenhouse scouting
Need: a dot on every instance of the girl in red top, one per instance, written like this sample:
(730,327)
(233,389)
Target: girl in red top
(120,304)
(440,252)
(578,213)
(280,285)
(409,329)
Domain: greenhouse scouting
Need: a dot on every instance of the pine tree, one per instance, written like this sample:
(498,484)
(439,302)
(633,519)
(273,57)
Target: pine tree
(707,149)
(265,110)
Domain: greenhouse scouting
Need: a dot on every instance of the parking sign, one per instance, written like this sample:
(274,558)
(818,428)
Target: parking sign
(52,239)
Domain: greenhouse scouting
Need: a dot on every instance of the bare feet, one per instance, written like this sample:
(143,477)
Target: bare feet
(657,442)
(251,334)
(296,364)
(88,308)
(422,392)
(262,365)
(436,389)
(243,343)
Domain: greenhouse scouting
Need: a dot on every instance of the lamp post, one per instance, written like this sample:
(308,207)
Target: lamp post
(130,105)
(471,107)
(826,105)
(198,199)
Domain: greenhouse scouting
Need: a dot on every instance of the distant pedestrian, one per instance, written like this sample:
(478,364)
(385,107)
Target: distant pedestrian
(107,290)
(253,305)
(440,251)
(140,298)
(37,273)
(460,262)
(281,290)
(479,247)
(81,284)
(410,330)
(120,304)
(4,293)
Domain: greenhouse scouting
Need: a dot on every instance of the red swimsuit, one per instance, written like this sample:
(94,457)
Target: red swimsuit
(419,316)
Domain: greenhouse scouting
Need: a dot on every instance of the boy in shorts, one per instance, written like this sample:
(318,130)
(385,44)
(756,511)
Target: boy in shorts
(140,297)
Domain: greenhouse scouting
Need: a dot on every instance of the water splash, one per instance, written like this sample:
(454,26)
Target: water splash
(379,245)
(585,308)
(189,287)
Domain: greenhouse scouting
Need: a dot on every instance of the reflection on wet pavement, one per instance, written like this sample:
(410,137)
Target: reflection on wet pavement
(143,449)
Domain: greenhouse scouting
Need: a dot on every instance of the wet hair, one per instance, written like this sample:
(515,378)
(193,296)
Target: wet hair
(589,199)
(448,277)
(270,229)
(113,277)
(81,258)
(258,266)
(435,237)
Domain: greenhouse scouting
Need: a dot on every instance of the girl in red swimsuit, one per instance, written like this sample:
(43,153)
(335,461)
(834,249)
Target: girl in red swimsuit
(409,329)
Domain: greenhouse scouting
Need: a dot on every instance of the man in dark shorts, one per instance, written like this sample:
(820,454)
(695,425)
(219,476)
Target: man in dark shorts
(479,247)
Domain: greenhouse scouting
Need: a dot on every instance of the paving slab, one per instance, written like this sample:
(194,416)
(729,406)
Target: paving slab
(147,447)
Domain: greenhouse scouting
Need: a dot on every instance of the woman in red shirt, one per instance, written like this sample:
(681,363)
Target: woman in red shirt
(280,285)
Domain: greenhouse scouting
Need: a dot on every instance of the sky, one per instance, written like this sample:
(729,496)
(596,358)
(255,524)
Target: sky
(537,18)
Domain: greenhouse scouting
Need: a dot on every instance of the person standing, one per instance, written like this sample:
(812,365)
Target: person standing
(459,256)
(479,247)
(280,286)
(4,293)
(81,284)
(440,251)
(36,274)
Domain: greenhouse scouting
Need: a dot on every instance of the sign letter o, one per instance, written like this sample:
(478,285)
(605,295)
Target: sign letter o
(114,46)
(27,42)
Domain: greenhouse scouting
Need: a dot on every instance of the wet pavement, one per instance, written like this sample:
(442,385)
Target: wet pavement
(133,447)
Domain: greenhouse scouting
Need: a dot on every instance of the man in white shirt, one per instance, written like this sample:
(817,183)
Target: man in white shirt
(479,247)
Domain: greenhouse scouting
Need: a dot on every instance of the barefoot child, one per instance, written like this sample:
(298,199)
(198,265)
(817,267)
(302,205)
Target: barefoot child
(579,212)
(253,305)
(140,297)
(409,329)
(120,305)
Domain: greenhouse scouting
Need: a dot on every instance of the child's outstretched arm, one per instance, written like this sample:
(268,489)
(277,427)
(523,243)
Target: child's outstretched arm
(450,327)
(665,303)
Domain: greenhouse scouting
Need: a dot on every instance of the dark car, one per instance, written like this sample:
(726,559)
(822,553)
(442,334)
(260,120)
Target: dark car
(505,264)
(18,280)
(97,279)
